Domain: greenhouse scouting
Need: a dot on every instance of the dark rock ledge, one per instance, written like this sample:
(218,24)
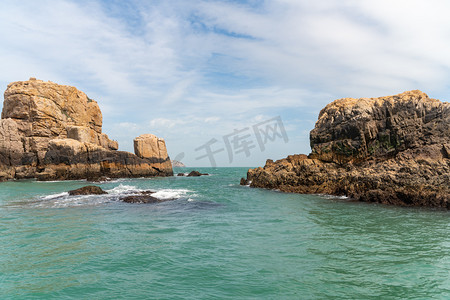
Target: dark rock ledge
(390,150)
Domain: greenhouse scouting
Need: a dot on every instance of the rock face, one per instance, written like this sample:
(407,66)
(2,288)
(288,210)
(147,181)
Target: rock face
(153,148)
(392,150)
(50,131)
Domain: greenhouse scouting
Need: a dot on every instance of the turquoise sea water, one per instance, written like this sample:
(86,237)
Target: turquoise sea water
(217,240)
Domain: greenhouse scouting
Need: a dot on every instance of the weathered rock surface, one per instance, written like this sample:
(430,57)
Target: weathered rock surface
(54,132)
(88,190)
(391,150)
(153,148)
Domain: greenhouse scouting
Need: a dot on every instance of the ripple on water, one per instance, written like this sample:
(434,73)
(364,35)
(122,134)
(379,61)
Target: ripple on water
(215,241)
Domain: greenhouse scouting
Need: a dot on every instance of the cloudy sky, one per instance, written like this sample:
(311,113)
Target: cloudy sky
(197,72)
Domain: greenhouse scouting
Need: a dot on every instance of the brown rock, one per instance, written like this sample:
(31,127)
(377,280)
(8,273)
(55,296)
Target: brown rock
(153,148)
(356,129)
(391,150)
(150,146)
(88,190)
(54,132)
(11,145)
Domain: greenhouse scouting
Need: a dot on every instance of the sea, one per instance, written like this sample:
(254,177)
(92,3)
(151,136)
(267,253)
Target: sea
(215,240)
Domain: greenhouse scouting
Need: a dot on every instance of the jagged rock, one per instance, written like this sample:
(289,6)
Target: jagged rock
(180,174)
(150,147)
(88,190)
(391,150)
(244,181)
(50,131)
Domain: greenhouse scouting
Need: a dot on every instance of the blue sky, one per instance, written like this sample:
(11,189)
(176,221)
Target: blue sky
(193,71)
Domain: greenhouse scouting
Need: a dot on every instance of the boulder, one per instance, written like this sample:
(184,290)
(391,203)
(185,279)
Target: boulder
(143,197)
(196,174)
(152,148)
(391,150)
(88,190)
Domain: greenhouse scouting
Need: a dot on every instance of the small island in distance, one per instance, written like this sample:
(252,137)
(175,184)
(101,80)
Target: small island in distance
(178,164)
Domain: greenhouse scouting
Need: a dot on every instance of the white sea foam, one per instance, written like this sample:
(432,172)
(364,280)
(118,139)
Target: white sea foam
(61,200)
(65,200)
(170,194)
(334,197)
(53,196)
(123,189)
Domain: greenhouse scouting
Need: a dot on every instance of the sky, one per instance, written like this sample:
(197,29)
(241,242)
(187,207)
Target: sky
(244,79)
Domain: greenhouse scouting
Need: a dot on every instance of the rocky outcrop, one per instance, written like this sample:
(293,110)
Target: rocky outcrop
(153,148)
(54,132)
(392,150)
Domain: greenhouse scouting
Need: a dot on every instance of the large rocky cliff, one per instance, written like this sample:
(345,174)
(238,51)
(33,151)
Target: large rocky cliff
(392,150)
(50,131)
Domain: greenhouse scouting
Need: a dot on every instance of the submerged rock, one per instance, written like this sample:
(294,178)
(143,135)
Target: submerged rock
(196,174)
(144,197)
(54,132)
(88,190)
(391,150)
(180,174)
(141,199)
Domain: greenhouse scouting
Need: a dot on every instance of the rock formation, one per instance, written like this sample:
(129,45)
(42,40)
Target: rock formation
(53,132)
(152,148)
(392,150)
(88,190)
(196,174)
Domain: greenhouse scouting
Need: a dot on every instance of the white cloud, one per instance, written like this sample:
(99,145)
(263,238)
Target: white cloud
(188,69)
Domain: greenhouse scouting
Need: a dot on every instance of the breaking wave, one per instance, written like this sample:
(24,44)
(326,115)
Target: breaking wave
(62,200)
